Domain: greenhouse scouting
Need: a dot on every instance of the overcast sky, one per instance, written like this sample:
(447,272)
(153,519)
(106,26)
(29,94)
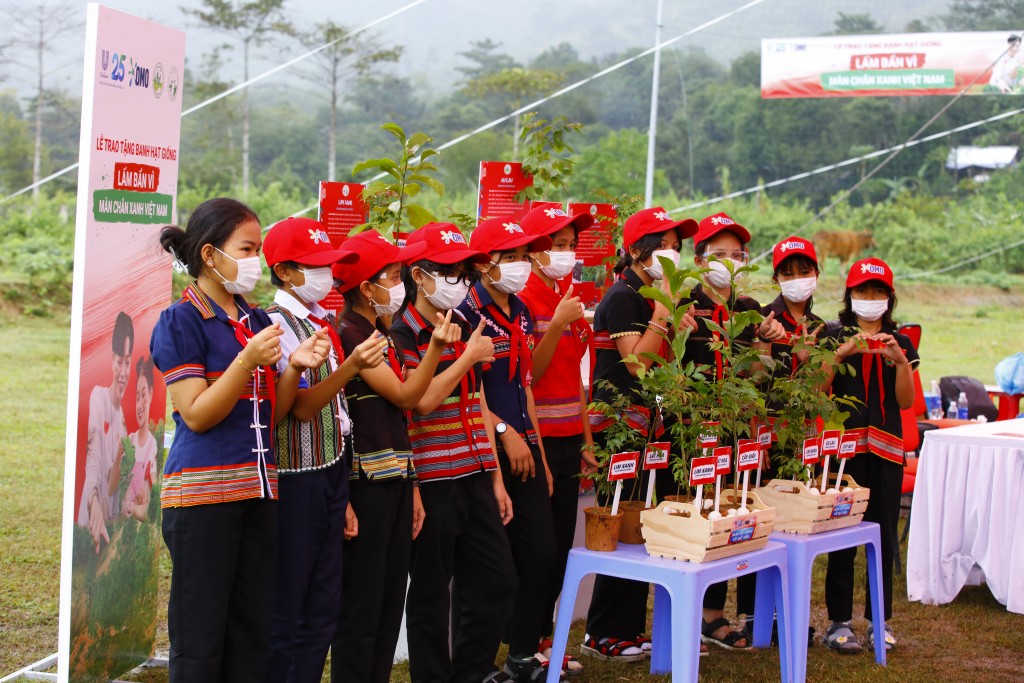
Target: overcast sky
(436,30)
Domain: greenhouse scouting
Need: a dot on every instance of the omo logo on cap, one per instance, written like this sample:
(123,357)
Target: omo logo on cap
(873,268)
(319,236)
(512,227)
(450,236)
(663,216)
(722,220)
(792,245)
(554,212)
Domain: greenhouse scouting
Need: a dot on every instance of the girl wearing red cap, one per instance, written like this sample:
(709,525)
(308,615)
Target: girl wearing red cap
(218,355)
(561,338)
(385,513)
(796,273)
(627,323)
(463,536)
(882,384)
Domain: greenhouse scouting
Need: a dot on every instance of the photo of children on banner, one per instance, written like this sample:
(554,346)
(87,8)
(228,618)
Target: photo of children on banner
(107,432)
(144,471)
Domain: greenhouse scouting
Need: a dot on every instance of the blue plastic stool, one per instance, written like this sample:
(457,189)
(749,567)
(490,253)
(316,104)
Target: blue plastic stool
(801,550)
(678,596)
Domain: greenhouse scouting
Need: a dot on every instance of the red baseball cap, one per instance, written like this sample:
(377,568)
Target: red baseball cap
(654,220)
(375,253)
(792,246)
(712,225)
(551,219)
(304,241)
(445,244)
(869,269)
(502,234)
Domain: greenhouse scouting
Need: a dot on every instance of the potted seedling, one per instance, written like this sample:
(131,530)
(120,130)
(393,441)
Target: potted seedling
(703,406)
(808,423)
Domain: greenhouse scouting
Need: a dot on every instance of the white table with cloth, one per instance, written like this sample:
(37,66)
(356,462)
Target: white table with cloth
(968,512)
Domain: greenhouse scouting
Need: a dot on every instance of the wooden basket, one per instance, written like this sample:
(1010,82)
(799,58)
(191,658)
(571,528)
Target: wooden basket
(675,530)
(798,511)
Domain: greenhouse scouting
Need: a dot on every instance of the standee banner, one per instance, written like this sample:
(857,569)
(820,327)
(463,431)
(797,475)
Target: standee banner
(341,208)
(595,251)
(500,182)
(988,62)
(114,451)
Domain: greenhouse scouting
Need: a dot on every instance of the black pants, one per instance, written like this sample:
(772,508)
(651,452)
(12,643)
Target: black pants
(462,539)
(531,536)
(311,519)
(618,608)
(374,582)
(563,453)
(220,608)
(885,479)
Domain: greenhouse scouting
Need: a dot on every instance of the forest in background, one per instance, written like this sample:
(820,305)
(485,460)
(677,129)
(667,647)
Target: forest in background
(270,145)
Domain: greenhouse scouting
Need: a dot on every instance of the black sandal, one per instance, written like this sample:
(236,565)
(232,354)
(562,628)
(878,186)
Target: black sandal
(729,641)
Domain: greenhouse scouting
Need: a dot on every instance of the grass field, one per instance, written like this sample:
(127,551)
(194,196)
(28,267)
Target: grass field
(964,333)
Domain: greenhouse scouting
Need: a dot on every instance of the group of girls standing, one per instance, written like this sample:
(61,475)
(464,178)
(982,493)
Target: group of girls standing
(419,455)
(628,324)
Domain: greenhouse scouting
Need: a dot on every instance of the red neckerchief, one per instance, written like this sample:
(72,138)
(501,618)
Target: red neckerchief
(719,316)
(519,353)
(581,331)
(243,334)
(459,347)
(332,333)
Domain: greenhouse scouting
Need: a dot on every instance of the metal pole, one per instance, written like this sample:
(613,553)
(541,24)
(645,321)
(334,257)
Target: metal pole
(652,131)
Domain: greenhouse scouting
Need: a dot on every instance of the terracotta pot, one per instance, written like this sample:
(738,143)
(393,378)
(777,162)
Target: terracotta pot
(602,528)
(629,532)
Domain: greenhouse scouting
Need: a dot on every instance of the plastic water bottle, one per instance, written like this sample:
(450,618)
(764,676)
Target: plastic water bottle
(961,407)
(934,402)
(952,413)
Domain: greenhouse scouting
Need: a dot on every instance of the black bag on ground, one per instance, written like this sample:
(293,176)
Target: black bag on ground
(978,400)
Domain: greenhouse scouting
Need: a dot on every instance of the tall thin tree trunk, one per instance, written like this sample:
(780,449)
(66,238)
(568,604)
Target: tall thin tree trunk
(245,120)
(332,135)
(37,153)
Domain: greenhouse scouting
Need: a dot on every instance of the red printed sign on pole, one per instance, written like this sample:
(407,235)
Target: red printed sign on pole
(500,182)
(702,471)
(623,466)
(748,455)
(811,452)
(764,436)
(847,446)
(830,441)
(341,209)
(723,460)
(656,456)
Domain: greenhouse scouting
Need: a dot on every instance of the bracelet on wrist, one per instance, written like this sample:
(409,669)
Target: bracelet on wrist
(657,326)
(251,371)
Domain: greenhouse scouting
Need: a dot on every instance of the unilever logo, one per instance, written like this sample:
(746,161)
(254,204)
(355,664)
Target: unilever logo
(104,61)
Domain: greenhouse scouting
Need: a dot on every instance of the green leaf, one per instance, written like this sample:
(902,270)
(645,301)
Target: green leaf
(417,140)
(395,130)
(418,216)
(384,164)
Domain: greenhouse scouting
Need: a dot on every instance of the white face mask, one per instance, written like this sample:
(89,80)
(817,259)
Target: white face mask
(249,273)
(869,309)
(655,270)
(798,290)
(397,294)
(446,296)
(513,277)
(562,263)
(719,275)
(318,284)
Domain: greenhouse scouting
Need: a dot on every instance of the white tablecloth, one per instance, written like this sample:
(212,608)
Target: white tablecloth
(968,510)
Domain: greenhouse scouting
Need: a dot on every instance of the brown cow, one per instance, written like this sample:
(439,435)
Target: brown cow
(845,245)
